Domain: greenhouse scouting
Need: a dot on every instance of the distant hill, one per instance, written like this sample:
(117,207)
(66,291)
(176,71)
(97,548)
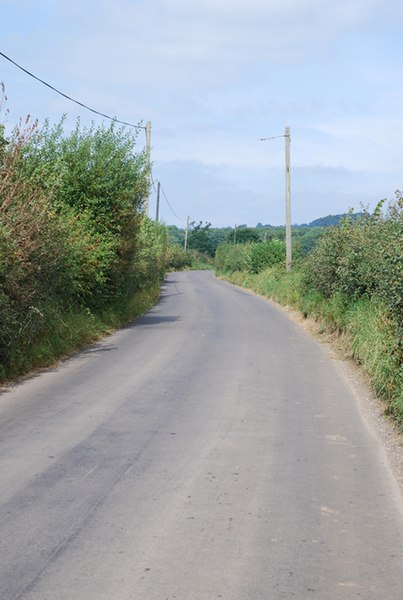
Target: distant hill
(331,220)
(328,221)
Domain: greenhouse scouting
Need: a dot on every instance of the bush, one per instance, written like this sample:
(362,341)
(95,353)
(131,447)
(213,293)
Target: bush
(252,257)
(266,254)
(93,178)
(177,258)
(232,257)
(362,258)
(75,248)
(148,268)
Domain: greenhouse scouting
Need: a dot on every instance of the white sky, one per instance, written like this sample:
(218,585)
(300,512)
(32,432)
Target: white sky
(215,76)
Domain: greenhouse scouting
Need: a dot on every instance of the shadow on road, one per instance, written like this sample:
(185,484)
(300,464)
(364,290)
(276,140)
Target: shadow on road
(103,348)
(152,320)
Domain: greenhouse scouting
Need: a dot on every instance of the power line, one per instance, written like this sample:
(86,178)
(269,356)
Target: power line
(153,181)
(172,210)
(166,199)
(69,97)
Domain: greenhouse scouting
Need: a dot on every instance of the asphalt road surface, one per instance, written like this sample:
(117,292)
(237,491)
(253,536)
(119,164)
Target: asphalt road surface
(209,450)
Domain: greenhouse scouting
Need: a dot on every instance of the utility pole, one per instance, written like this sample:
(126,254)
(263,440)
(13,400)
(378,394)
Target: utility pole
(148,159)
(157,214)
(287,137)
(235,234)
(186,234)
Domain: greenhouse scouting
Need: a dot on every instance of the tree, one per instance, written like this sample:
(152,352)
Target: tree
(243,235)
(199,238)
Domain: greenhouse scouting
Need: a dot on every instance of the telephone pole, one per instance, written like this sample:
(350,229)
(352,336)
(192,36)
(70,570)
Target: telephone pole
(148,167)
(157,214)
(186,234)
(287,137)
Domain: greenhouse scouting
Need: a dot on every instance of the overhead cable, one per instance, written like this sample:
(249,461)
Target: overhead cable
(172,210)
(69,97)
(166,199)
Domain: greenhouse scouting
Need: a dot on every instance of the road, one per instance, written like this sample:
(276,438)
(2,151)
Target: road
(209,450)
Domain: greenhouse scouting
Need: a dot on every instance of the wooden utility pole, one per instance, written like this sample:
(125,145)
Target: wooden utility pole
(287,137)
(148,159)
(186,234)
(157,213)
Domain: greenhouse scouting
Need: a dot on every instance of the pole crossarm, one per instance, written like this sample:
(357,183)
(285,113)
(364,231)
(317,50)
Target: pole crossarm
(274,137)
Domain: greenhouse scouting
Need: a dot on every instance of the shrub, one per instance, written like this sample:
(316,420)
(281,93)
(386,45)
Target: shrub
(92,177)
(148,267)
(265,254)
(177,258)
(75,248)
(232,257)
(362,257)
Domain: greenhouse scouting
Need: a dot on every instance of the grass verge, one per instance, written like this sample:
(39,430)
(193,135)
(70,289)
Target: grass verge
(64,332)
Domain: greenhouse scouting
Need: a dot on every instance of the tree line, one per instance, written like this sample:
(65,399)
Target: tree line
(204,238)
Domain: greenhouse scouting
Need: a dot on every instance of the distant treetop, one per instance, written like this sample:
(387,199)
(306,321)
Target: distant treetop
(328,221)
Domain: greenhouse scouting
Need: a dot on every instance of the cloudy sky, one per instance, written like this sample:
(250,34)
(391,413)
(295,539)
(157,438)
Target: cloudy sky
(215,76)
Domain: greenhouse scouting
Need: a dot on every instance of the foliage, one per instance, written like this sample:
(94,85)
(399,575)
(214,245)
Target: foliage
(243,235)
(206,238)
(199,238)
(332,220)
(252,257)
(362,258)
(304,239)
(75,247)
(149,264)
(92,176)
(265,254)
(175,235)
(232,257)
(177,258)
(200,261)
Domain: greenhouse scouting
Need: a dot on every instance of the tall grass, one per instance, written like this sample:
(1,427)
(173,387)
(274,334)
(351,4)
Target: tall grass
(66,331)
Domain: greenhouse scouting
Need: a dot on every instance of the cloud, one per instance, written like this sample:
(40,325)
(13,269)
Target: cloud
(379,141)
(229,195)
(204,44)
(215,76)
